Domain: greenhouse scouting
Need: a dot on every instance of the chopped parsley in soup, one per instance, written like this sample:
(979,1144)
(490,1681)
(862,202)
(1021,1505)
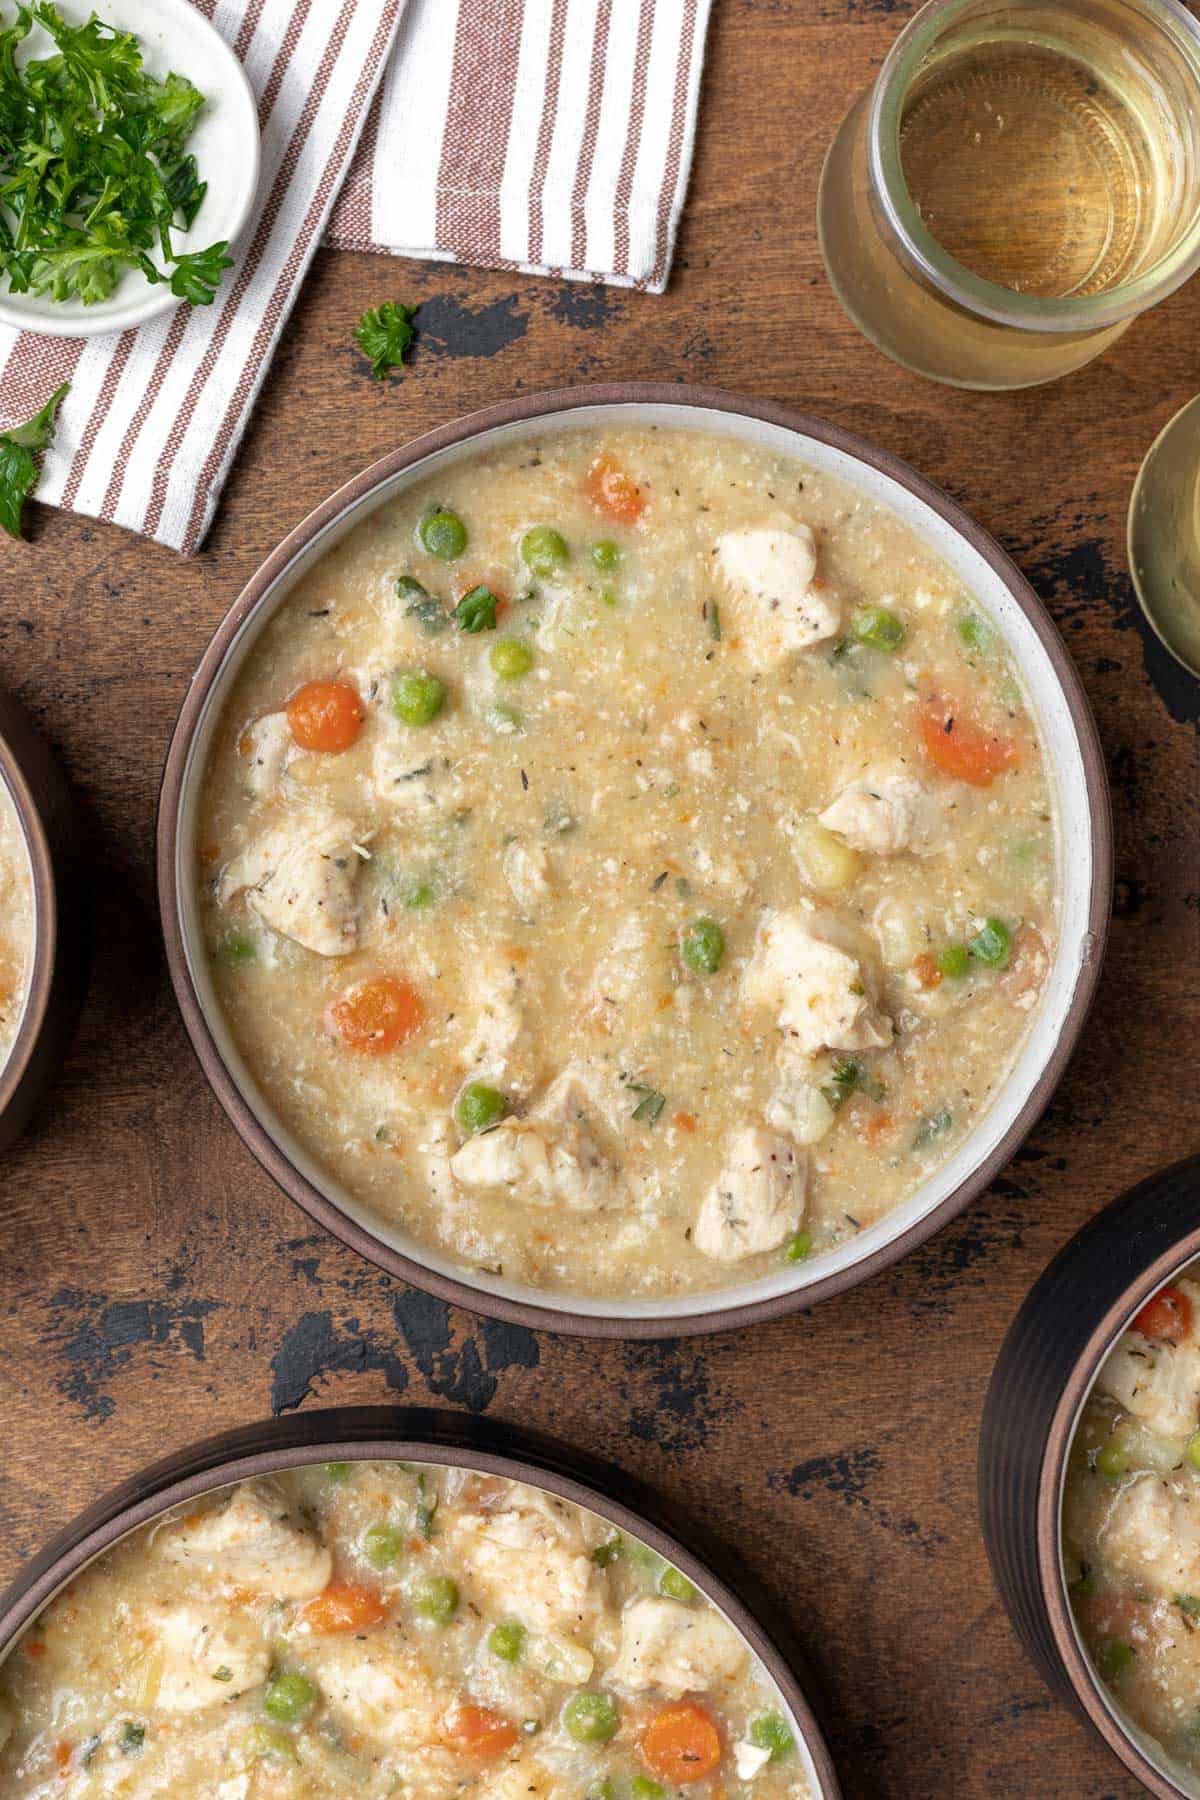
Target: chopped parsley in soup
(1131,1523)
(375,1629)
(16,922)
(628,865)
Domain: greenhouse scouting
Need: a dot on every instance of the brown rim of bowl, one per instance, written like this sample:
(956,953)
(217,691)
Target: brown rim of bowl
(46,814)
(421,1435)
(1084,1681)
(459,1291)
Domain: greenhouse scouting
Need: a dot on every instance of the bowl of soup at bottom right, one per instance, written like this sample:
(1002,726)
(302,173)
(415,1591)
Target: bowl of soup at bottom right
(1090,1476)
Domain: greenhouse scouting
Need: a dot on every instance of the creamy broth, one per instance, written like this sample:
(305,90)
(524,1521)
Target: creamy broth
(1131,1524)
(16,922)
(701,918)
(378,1630)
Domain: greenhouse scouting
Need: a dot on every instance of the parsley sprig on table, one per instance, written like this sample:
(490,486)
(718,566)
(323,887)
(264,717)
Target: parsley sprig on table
(95,178)
(385,334)
(18,469)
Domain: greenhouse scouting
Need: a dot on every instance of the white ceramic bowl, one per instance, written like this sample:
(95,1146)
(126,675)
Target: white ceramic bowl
(175,36)
(1076,771)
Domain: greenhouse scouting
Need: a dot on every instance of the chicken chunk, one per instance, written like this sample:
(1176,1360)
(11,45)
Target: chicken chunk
(269,748)
(1151,1534)
(299,878)
(501,1044)
(885,812)
(251,1541)
(749,1760)
(756,1202)
(675,1648)
(407,776)
(526,1779)
(531,1564)
(774,607)
(552,1155)
(1157,1382)
(812,967)
(800,1110)
(528,874)
(206,1655)
(394,1696)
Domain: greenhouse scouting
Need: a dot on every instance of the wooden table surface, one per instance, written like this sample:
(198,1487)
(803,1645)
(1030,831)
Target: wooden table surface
(155,1287)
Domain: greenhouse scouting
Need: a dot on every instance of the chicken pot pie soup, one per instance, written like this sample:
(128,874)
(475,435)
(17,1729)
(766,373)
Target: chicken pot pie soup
(627,863)
(378,1630)
(1131,1525)
(16,922)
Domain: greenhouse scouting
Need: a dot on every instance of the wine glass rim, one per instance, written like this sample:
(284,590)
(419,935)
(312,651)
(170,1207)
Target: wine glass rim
(974,294)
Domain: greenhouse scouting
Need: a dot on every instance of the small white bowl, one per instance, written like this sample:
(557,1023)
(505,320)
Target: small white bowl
(173,35)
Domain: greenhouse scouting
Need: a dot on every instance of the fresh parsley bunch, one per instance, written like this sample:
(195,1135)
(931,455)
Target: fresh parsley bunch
(94,173)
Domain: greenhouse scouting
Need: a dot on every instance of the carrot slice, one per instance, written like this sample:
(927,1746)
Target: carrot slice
(1167,1316)
(682,1744)
(959,747)
(926,970)
(377,1015)
(478,1731)
(343,1606)
(325,715)
(613,492)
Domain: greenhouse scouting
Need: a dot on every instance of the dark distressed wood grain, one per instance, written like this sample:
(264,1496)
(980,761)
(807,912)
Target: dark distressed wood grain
(154,1286)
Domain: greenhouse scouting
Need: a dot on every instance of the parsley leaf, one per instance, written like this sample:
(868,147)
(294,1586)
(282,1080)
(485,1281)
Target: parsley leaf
(384,334)
(476,611)
(650,1104)
(95,176)
(850,1077)
(18,470)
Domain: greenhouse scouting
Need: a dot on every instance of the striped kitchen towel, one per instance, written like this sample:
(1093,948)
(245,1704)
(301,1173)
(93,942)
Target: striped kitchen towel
(548,135)
(551,136)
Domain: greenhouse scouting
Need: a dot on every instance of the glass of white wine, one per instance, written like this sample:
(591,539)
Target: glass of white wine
(1022,180)
(1164,535)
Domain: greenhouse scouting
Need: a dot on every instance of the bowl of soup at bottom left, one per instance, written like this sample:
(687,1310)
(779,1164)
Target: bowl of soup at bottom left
(374,1600)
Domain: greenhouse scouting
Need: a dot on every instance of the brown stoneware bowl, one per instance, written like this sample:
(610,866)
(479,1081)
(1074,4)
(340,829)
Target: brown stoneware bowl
(1045,1370)
(1084,829)
(62,918)
(416,1435)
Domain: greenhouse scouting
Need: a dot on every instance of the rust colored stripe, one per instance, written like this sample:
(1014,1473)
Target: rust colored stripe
(108,387)
(252,258)
(591,127)
(36,367)
(247,29)
(541,160)
(666,193)
(483,82)
(166,356)
(633,137)
(282,291)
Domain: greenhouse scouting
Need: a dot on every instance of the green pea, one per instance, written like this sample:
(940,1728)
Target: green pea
(435,1598)
(954,961)
(1112,1459)
(799,1247)
(1113,1658)
(1193,1450)
(288,1698)
(591,1718)
(977,634)
(642,1788)
(443,534)
(876,626)
(703,946)
(480,1107)
(992,944)
(265,1740)
(543,550)
(337,1471)
(507,1642)
(675,1585)
(419,896)
(606,555)
(235,948)
(770,1731)
(417,697)
(510,658)
(383,1545)
(504,719)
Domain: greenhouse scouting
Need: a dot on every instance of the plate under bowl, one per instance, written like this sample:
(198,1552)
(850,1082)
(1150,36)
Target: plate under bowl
(1075,766)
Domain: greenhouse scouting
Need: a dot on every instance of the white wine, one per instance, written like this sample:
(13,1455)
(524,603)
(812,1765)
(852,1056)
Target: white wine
(1032,171)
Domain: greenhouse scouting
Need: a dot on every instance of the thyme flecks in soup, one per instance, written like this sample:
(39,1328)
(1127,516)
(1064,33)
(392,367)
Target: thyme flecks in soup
(374,1629)
(629,864)
(16,922)
(1131,1522)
